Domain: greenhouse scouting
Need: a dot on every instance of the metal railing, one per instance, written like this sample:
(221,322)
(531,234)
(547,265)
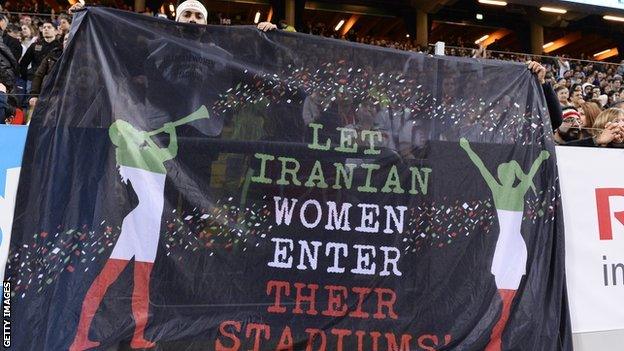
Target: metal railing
(32,14)
(464,51)
(514,55)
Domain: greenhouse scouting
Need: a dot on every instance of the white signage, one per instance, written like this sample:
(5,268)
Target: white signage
(615,4)
(592,190)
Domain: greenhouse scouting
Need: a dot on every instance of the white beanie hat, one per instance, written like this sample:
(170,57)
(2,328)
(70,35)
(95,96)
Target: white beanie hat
(191,5)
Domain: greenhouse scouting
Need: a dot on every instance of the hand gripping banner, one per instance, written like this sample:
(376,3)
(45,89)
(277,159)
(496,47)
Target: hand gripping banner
(218,188)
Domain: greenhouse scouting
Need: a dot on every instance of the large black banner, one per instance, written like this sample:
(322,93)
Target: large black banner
(218,188)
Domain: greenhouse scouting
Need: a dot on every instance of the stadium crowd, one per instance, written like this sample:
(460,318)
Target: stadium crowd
(589,95)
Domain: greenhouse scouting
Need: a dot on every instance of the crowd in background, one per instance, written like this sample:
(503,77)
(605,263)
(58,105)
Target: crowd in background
(589,93)
(31,45)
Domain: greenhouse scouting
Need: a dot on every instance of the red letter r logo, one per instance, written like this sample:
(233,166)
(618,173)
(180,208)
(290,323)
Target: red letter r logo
(604,211)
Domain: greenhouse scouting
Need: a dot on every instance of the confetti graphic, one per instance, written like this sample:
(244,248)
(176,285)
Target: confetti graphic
(229,229)
(436,225)
(498,120)
(224,228)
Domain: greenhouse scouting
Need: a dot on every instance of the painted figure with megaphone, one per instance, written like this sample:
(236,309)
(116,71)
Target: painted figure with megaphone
(140,161)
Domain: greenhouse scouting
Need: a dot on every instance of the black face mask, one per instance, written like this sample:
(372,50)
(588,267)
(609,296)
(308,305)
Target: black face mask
(571,133)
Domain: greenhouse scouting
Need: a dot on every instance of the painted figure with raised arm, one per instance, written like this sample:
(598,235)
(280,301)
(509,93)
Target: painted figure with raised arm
(141,162)
(510,255)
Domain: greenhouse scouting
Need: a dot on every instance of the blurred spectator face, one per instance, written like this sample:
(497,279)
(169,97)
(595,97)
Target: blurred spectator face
(3,24)
(583,118)
(588,113)
(617,84)
(190,16)
(617,116)
(64,25)
(366,116)
(607,118)
(588,89)
(615,97)
(48,31)
(596,91)
(26,32)
(595,96)
(26,20)
(577,98)
(448,87)
(563,94)
(14,32)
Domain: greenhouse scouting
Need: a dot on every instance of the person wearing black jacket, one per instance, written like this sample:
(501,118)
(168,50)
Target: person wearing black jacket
(8,72)
(44,69)
(14,45)
(39,50)
(552,102)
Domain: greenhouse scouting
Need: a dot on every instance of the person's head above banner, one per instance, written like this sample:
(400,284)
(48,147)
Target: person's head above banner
(191,11)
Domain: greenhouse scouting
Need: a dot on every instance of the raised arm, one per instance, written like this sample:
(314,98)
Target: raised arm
(527,180)
(489,179)
(164,154)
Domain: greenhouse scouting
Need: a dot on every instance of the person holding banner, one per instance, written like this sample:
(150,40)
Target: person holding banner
(510,256)
(140,161)
(189,11)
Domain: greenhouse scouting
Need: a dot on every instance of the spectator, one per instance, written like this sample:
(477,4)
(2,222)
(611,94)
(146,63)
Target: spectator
(8,67)
(8,73)
(588,112)
(620,69)
(614,97)
(554,109)
(577,97)
(564,65)
(191,11)
(44,69)
(14,31)
(38,51)
(617,82)
(595,93)
(569,130)
(587,91)
(8,113)
(609,128)
(27,38)
(13,44)
(64,25)
(563,95)
(26,20)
